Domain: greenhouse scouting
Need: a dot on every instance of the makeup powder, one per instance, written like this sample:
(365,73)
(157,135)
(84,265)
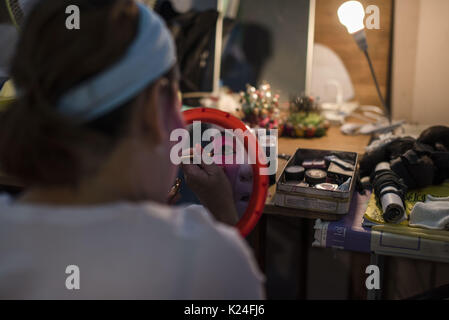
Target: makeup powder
(315,176)
(294,173)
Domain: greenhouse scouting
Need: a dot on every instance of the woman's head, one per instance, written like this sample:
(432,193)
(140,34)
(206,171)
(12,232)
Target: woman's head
(43,146)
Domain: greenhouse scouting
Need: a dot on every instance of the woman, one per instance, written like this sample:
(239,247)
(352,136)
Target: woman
(89,135)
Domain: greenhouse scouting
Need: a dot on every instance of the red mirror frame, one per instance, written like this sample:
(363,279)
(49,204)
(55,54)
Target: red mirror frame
(260,182)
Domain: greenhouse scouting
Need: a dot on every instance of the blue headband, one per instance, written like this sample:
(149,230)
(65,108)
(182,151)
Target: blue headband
(150,56)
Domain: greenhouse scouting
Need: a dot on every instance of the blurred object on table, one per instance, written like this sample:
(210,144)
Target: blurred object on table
(260,107)
(304,120)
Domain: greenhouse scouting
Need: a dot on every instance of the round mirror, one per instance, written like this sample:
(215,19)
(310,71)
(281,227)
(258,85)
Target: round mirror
(230,144)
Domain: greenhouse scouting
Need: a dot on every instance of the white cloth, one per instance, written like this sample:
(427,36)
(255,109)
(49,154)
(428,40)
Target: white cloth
(431,214)
(123,251)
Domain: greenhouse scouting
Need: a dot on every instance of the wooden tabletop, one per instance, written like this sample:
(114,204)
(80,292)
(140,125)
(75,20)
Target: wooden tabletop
(334,140)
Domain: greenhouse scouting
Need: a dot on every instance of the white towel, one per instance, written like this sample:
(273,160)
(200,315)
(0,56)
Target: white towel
(430,198)
(431,214)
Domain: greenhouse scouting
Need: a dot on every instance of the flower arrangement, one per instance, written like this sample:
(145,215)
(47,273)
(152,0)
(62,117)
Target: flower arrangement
(260,107)
(304,120)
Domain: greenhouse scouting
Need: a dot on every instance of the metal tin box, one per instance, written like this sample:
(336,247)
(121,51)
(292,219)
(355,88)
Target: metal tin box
(310,198)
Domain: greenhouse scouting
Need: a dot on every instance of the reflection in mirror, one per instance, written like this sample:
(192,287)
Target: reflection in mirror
(261,40)
(193,24)
(268,41)
(223,150)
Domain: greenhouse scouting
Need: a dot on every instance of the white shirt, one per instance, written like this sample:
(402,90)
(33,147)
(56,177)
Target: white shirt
(123,251)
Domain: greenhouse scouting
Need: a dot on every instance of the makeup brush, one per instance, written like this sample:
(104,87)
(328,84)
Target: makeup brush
(211,154)
(191,156)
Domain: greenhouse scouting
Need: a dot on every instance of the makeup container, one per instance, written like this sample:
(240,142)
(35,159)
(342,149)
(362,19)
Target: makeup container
(314,164)
(327,186)
(318,191)
(294,173)
(315,176)
(338,174)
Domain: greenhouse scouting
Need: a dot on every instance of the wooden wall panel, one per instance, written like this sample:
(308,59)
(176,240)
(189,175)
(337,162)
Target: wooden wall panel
(330,32)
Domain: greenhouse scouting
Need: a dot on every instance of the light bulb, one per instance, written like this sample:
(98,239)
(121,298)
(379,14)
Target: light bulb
(351,14)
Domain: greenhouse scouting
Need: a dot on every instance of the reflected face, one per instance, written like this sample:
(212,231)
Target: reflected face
(222,149)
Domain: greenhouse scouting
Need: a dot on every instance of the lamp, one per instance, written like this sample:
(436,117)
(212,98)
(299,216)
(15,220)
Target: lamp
(351,14)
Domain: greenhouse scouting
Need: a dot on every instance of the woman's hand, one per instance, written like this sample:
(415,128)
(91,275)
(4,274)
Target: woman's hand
(213,189)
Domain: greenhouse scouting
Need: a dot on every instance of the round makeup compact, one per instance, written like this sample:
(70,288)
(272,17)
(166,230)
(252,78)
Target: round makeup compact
(294,173)
(315,176)
(257,199)
(327,186)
